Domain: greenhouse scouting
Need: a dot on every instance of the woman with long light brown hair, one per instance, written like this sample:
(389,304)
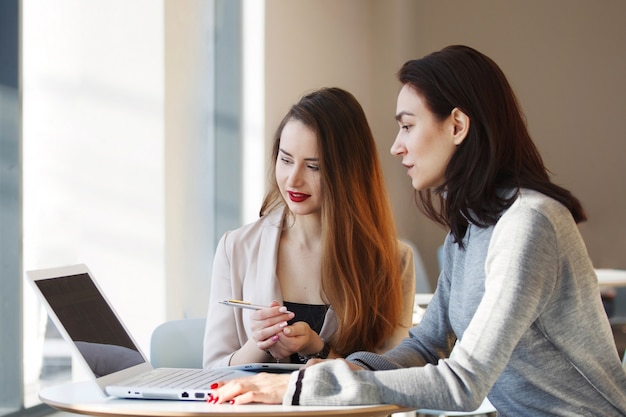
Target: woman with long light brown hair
(323,256)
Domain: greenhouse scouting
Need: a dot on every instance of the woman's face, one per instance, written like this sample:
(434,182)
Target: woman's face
(424,143)
(297,169)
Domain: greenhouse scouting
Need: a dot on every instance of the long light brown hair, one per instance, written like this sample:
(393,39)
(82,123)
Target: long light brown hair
(361,266)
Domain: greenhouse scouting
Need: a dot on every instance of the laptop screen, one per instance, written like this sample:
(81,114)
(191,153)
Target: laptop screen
(91,324)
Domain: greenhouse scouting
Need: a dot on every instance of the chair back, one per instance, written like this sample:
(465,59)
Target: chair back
(422,284)
(178,344)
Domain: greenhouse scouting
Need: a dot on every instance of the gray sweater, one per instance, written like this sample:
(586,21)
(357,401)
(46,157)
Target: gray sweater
(523,300)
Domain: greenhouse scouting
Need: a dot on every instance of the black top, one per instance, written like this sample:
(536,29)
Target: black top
(312,314)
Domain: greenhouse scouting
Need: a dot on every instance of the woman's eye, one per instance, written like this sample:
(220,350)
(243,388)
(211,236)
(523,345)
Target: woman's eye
(285,160)
(405,128)
(314,167)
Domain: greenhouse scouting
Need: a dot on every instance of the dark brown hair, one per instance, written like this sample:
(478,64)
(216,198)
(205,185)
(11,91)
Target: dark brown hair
(498,152)
(361,266)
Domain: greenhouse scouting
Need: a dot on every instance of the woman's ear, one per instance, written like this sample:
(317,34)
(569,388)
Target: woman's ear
(461,125)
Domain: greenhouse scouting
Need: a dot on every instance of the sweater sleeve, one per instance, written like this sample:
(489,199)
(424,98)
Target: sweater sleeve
(520,275)
(335,384)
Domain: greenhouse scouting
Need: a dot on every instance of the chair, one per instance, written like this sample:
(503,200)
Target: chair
(440,257)
(617,318)
(178,344)
(422,284)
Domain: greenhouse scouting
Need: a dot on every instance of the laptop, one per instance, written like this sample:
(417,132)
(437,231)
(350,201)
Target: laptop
(86,319)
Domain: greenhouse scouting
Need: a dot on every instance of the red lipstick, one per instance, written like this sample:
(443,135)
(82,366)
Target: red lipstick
(297,197)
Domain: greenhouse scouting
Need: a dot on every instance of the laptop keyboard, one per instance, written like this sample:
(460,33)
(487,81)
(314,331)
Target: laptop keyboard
(179,378)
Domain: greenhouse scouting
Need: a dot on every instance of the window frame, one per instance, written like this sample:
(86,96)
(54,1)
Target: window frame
(11,393)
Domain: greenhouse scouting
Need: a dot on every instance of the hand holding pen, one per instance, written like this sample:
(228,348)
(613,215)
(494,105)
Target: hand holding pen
(267,322)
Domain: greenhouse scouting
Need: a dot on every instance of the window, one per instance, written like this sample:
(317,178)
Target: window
(118,147)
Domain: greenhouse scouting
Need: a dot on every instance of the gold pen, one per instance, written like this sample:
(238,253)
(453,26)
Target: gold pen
(242,304)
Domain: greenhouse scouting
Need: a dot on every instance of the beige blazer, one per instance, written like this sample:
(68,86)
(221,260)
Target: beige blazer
(244,268)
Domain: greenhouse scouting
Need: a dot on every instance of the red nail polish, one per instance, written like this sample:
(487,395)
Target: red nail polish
(214,385)
(231,402)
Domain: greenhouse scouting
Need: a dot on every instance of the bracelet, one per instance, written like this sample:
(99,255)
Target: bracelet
(322,354)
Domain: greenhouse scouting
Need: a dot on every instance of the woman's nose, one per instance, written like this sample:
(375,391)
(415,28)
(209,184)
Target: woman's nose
(397,148)
(295,177)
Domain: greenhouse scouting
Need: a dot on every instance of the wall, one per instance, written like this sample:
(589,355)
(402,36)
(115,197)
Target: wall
(564,59)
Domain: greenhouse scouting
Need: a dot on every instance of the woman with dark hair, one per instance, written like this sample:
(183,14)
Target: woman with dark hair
(517,314)
(324,256)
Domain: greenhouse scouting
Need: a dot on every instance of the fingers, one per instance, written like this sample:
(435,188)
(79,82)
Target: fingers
(301,330)
(274,312)
(268,336)
(243,398)
(280,352)
(267,323)
(260,388)
(299,337)
(246,398)
(227,391)
(298,328)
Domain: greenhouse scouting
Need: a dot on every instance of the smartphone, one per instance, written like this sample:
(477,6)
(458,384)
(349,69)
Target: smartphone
(242,304)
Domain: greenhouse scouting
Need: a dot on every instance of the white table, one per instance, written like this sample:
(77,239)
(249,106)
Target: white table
(611,277)
(87,398)
(423,299)
(420,303)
